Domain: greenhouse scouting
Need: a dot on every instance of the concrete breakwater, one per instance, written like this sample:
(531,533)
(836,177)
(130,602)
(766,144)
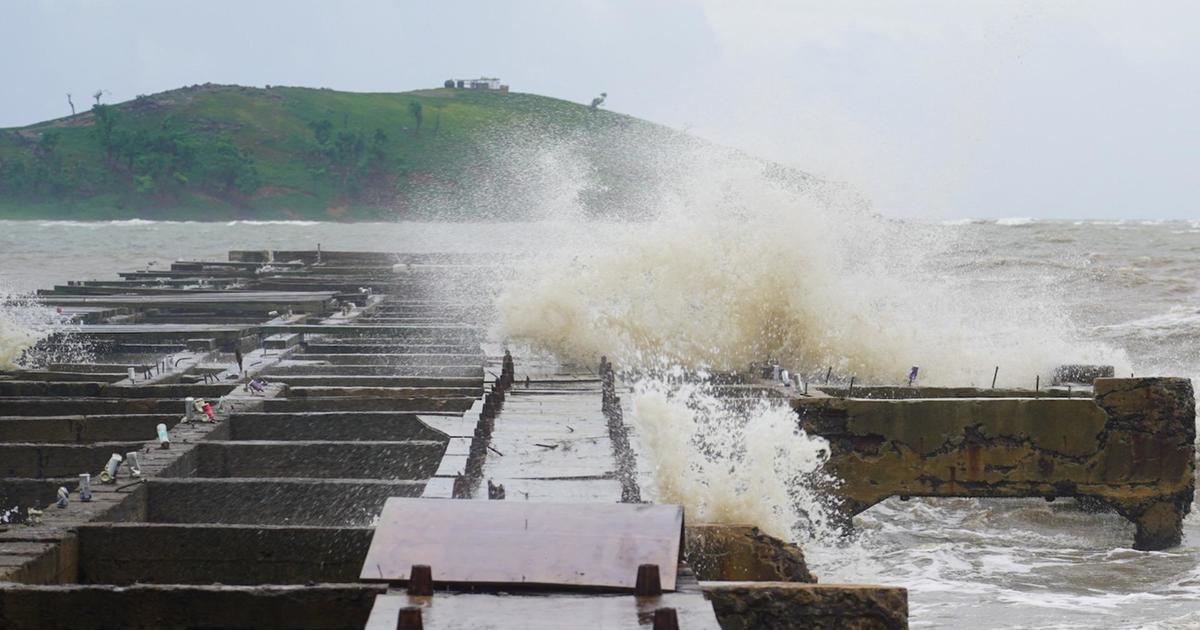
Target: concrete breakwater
(382,396)
(1127,444)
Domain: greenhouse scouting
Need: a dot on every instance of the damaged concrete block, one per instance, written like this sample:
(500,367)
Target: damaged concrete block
(742,553)
(1132,447)
(788,605)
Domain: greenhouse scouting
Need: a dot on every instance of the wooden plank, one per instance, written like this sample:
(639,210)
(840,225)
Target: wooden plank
(469,611)
(516,542)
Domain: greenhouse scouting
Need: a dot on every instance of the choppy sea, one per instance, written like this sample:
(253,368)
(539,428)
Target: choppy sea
(1131,287)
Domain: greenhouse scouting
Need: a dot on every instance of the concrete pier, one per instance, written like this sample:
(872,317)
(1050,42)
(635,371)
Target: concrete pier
(380,387)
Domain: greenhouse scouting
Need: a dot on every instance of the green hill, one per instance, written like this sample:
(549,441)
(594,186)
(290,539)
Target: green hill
(218,152)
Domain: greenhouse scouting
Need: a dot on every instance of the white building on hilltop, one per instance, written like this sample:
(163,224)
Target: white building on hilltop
(482,83)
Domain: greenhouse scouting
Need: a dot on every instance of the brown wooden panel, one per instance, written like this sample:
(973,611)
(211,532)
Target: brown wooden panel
(519,542)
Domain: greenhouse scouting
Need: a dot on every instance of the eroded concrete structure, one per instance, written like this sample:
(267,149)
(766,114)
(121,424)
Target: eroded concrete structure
(1128,443)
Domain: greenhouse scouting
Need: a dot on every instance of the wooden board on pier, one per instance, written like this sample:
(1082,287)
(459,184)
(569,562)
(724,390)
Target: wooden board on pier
(598,545)
(478,611)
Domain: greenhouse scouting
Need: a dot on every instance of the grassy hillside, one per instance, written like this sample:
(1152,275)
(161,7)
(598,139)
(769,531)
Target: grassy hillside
(219,152)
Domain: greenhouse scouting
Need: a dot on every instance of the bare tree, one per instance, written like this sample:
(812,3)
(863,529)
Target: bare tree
(71,103)
(98,94)
(599,100)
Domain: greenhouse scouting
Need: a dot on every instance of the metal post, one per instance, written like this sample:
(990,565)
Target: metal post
(420,580)
(649,583)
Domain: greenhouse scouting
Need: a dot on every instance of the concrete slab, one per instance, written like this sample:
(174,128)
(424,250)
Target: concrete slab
(321,502)
(80,428)
(202,607)
(153,553)
(331,425)
(415,460)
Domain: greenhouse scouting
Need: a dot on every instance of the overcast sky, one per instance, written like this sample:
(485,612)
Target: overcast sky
(940,109)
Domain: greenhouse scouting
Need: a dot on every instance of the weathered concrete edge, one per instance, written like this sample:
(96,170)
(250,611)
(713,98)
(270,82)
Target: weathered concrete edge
(771,605)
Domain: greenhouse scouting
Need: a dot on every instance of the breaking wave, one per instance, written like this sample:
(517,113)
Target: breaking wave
(735,261)
(23,323)
(1016,221)
(731,464)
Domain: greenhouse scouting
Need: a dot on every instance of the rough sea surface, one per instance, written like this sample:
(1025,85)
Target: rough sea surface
(1127,290)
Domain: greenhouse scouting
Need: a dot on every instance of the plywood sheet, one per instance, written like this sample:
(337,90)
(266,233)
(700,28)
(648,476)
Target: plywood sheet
(543,612)
(529,543)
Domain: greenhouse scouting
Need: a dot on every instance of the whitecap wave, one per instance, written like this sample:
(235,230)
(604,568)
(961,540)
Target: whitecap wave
(1016,221)
(254,222)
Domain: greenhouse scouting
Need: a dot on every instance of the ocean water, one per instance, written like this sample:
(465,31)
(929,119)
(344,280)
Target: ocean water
(709,284)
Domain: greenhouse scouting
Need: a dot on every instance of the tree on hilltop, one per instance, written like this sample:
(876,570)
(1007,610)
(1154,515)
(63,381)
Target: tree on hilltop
(415,109)
(322,130)
(378,149)
(106,122)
